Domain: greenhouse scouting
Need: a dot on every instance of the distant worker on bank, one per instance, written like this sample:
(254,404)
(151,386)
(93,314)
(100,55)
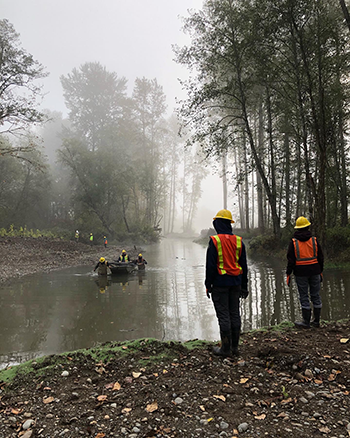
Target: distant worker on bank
(124,257)
(305,259)
(102,266)
(105,241)
(226,281)
(141,262)
(76,236)
(91,238)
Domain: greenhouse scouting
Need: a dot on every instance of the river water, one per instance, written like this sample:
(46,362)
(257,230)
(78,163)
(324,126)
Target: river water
(73,308)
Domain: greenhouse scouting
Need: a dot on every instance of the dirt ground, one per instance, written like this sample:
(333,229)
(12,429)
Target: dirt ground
(22,256)
(285,383)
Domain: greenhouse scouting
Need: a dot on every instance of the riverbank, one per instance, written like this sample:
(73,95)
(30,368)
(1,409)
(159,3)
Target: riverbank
(285,383)
(21,256)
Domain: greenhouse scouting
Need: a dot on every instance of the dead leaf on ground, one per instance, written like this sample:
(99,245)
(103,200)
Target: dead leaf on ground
(16,411)
(165,371)
(109,385)
(100,435)
(202,408)
(152,407)
(124,347)
(344,340)
(244,380)
(288,400)
(318,382)
(126,410)
(102,398)
(324,429)
(47,400)
(331,377)
(220,397)
(117,386)
(136,375)
(260,417)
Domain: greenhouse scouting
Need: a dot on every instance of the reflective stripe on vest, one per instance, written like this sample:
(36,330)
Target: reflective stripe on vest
(227,262)
(305,252)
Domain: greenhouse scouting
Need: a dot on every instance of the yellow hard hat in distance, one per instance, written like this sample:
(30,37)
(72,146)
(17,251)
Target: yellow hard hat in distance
(224,214)
(123,250)
(102,259)
(140,255)
(302,222)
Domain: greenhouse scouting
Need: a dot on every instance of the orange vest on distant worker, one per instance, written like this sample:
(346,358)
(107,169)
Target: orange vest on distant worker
(229,248)
(305,252)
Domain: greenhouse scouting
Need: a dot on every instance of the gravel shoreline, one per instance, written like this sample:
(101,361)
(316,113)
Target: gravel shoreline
(24,255)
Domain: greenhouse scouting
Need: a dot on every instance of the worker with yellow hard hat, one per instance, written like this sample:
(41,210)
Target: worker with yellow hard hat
(305,260)
(226,281)
(102,266)
(124,258)
(140,262)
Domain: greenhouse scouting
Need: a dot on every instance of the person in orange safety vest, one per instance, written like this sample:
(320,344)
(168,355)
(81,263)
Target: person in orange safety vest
(226,281)
(305,259)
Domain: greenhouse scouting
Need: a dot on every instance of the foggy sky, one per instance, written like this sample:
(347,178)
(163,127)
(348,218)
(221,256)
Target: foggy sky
(130,37)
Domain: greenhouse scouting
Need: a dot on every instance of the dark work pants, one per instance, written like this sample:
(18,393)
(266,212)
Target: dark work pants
(313,282)
(226,303)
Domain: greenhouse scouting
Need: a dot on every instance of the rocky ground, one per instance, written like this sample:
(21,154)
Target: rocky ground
(285,383)
(22,256)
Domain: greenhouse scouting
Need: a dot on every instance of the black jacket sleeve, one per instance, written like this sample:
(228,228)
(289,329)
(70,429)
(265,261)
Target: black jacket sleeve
(96,266)
(243,263)
(290,258)
(211,268)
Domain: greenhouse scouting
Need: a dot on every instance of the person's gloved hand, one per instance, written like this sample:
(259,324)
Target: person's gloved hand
(288,280)
(243,294)
(209,290)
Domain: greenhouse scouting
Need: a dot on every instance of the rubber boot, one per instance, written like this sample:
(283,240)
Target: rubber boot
(224,350)
(305,323)
(317,314)
(235,332)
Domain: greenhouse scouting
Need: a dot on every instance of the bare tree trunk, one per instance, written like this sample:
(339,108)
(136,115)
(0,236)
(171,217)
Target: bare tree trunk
(345,12)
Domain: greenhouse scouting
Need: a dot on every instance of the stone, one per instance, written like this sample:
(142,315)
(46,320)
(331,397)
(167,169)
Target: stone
(27,424)
(65,374)
(224,425)
(243,427)
(178,400)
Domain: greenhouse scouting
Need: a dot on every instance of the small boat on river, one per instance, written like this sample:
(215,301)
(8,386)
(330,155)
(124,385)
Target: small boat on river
(120,268)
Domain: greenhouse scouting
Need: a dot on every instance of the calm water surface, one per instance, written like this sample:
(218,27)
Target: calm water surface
(74,308)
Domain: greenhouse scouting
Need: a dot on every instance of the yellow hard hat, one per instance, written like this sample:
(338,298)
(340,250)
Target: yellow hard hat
(102,259)
(123,250)
(104,237)
(140,255)
(224,214)
(302,222)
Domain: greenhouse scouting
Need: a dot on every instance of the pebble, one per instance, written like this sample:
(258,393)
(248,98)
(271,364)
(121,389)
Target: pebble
(27,434)
(75,395)
(243,427)
(27,424)
(308,373)
(135,430)
(309,394)
(49,416)
(224,425)
(113,405)
(27,415)
(89,380)
(178,400)
(303,400)
(65,374)
(203,422)
(223,434)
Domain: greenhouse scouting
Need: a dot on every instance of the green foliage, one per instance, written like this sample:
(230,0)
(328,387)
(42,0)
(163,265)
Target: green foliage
(338,242)
(24,232)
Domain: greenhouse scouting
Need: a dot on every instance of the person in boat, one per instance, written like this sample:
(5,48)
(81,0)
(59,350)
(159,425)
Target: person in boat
(140,262)
(102,266)
(124,258)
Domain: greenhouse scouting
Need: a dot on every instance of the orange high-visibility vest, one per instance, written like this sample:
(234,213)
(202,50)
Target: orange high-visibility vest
(305,252)
(229,248)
